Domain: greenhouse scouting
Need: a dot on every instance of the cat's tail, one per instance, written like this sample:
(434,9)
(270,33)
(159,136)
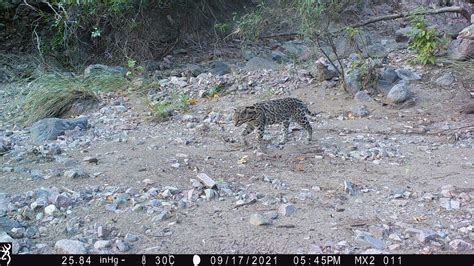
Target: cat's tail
(307,111)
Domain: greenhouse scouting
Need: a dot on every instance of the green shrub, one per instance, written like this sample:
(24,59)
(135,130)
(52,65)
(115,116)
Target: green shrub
(425,41)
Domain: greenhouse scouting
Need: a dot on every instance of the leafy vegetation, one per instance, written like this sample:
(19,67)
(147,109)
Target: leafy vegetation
(425,41)
(162,110)
(250,25)
(215,90)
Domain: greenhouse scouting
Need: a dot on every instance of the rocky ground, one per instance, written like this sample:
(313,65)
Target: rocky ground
(379,177)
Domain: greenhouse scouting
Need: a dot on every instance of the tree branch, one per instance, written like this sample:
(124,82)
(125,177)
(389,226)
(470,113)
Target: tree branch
(451,9)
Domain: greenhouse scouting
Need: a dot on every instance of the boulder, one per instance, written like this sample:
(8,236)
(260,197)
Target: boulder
(259,63)
(99,69)
(399,93)
(461,49)
(50,128)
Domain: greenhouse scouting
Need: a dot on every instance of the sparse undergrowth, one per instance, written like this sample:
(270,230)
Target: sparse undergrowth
(55,95)
(163,110)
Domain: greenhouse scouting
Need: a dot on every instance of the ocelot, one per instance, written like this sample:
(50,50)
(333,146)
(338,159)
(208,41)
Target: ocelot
(262,114)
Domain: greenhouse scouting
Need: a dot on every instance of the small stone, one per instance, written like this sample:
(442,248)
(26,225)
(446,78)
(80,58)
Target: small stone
(210,193)
(166,194)
(259,219)
(111,207)
(379,230)
(460,245)
(407,75)
(315,249)
(164,215)
(62,200)
(369,239)
(394,247)
(447,190)
(4,237)
(91,159)
(131,238)
(32,232)
(50,209)
(350,188)
(395,237)
(445,80)
(427,235)
(182,204)
(362,96)
(68,246)
(206,180)
(17,232)
(272,215)
(122,246)
(75,174)
(101,244)
(361,111)
(287,209)
(390,75)
(449,204)
(36,174)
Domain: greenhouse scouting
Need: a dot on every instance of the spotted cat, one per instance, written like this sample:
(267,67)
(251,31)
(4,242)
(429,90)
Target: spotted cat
(262,114)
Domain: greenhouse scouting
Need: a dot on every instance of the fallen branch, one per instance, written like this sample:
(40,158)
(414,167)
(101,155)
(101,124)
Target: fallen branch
(451,9)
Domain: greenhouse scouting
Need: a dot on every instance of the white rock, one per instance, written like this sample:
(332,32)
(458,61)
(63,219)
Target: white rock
(68,246)
(101,244)
(50,209)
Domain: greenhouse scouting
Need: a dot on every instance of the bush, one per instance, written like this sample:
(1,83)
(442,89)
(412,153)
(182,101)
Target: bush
(425,41)
(82,32)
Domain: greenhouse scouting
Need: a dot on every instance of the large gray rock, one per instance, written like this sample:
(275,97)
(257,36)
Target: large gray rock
(193,70)
(259,63)
(406,74)
(388,78)
(399,93)
(461,49)
(6,224)
(403,34)
(377,50)
(322,70)
(219,68)
(99,69)
(297,49)
(4,237)
(68,246)
(467,33)
(279,56)
(389,74)
(354,81)
(50,128)
(445,80)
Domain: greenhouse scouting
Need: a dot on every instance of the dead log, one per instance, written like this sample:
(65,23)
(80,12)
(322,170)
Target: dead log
(451,9)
